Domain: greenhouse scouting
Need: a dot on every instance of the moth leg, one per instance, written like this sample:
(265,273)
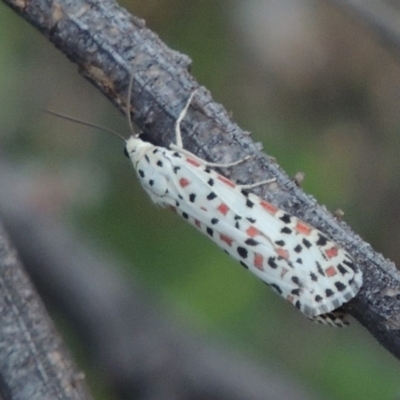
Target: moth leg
(178,134)
(208,163)
(178,146)
(260,183)
(227,165)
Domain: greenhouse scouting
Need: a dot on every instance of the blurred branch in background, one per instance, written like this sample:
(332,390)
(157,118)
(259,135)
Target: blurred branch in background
(143,350)
(382,16)
(34,362)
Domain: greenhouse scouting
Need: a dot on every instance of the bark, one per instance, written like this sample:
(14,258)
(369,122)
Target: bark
(34,364)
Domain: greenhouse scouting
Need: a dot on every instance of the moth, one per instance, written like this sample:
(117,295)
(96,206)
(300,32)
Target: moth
(296,260)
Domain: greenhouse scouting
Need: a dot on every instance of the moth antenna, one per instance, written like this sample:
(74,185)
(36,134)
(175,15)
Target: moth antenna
(128,106)
(78,121)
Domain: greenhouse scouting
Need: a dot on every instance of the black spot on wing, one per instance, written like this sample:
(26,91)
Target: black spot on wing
(249,203)
(296,280)
(271,262)
(251,242)
(276,288)
(242,252)
(319,269)
(298,248)
(211,196)
(351,265)
(313,277)
(322,240)
(342,269)
(340,286)
(286,218)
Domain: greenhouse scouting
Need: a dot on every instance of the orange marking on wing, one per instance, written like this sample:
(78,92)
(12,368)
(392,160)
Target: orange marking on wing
(227,239)
(331,271)
(184,182)
(252,231)
(223,208)
(303,228)
(282,253)
(226,181)
(332,252)
(268,207)
(197,223)
(258,261)
(193,162)
(204,209)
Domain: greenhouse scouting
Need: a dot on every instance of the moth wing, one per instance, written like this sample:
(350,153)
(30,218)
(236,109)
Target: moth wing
(298,261)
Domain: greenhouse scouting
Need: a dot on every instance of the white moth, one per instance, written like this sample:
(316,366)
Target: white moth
(296,260)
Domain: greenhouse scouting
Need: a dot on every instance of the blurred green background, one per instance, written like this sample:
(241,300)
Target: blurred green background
(321,94)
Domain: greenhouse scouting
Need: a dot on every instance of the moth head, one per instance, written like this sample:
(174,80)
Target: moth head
(135,147)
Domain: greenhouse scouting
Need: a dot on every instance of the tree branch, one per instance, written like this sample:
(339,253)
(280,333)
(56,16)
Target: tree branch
(109,45)
(33,361)
(380,15)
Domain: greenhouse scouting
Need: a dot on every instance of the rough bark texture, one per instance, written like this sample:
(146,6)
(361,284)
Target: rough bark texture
(33,362)
(109,45)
